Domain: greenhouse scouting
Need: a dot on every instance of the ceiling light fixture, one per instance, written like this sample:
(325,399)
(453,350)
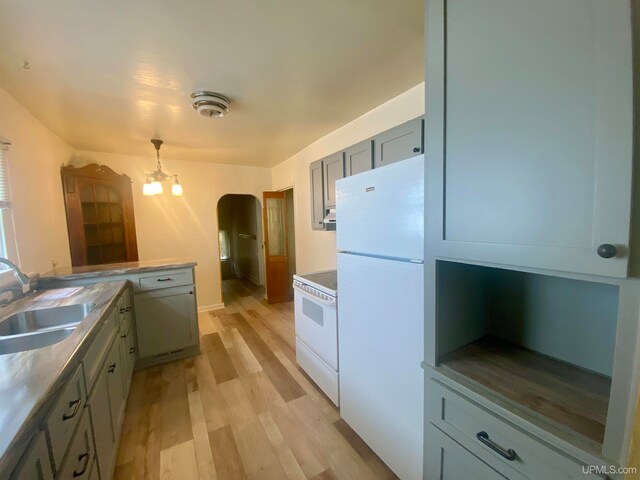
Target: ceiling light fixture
(153,183)
(210,104)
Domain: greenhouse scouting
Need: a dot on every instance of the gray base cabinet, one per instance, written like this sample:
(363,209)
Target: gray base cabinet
(167,320)
(35,465)
(81,432)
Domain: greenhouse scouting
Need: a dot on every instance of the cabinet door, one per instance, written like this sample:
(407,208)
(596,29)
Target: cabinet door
(127,357)
(117,400)
(333,170)
(358,158)
(317,195)
(538,144)
(79,459)
(35,464)
(166,320)
(101,420)
(399,143)
(448,460)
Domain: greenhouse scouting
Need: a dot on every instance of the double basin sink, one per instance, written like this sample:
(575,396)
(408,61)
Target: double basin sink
(40,327)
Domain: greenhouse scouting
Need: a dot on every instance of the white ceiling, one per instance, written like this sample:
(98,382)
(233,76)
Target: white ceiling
(108,75)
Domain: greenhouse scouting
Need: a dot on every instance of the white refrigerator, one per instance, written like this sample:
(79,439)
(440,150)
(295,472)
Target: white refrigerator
(380,240)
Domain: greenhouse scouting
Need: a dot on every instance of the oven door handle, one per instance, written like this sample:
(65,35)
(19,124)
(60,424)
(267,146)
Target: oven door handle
(312,296)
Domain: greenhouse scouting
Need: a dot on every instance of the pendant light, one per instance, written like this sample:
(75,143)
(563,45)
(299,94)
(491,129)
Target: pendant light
(153,183)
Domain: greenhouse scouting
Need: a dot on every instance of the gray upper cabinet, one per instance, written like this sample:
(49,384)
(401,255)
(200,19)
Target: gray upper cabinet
(317,195)
(358,158)
(398,143)
(536,138)
(333,170)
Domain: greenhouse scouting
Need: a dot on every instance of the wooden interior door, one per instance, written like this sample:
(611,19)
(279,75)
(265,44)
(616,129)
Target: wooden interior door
(276,249)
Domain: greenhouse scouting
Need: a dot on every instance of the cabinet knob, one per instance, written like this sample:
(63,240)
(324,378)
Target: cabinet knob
(416,149)
(606,250)
(191,292)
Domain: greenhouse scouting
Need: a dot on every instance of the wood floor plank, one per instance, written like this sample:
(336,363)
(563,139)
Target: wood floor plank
(221,364)
(327,406)
(305,450)
(176,420)
(249,361)
(213,404)
(373,461)
(237,403)
(260,391)
(326,475)
(284,453)
(258,456)
(279,376)
(179,462)
(342,459)
(132,411)
(191,375)
(225,455)
(204,457)
(146,463)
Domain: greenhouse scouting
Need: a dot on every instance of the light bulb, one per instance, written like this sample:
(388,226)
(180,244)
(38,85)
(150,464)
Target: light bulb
(157,187)
(147,189)
(176,189)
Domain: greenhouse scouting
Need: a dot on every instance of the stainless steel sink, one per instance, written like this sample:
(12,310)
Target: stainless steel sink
(30,321)
(21,343)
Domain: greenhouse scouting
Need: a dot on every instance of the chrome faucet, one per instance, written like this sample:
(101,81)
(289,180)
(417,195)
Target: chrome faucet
(22,278)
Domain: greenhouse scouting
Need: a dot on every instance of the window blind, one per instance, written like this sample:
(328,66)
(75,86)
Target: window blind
(5,192)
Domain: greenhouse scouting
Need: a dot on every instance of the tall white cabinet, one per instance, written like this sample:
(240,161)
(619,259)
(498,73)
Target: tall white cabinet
(529,132)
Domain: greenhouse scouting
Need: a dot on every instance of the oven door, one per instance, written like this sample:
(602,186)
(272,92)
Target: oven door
(317,325)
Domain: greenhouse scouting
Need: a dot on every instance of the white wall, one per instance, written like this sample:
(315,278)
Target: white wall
(316,250)
(186,226)
(35,157)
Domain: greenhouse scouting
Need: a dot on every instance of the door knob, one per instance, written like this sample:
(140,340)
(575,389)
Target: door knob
(416,149)
(606,250)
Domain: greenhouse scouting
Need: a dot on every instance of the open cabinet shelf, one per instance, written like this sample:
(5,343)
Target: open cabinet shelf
(572,396)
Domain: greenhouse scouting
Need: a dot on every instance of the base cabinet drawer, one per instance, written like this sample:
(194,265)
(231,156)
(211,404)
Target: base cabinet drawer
(65,415)
(489,436)
(168,279)
(80,457)
(35,464)
(448,460)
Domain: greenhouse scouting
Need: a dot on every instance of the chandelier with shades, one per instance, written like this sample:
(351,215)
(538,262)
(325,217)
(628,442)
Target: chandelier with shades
(153,183)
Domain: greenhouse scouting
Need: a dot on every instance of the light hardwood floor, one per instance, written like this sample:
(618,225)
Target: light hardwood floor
(242,409)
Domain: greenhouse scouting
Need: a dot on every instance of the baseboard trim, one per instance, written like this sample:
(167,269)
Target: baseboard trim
(209,308)
(253,280)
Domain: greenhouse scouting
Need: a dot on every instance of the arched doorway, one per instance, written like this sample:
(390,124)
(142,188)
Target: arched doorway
(240,240)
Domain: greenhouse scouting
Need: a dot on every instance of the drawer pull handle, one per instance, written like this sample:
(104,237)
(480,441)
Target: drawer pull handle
(123,336)
(132,350)
(128,309)
(122,310)
(510,454)
(76,406)
(112,368)
(84,457)
(168,279)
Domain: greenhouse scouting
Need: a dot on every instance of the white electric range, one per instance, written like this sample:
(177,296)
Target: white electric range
(316,317)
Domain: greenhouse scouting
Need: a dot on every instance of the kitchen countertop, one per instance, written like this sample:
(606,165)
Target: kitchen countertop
(111,269)
(29,380)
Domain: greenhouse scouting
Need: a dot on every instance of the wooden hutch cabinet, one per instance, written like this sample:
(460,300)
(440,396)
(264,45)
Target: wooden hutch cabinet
(100,217)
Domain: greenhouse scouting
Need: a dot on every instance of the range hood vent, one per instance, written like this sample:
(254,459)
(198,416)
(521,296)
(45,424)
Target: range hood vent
(331,216)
